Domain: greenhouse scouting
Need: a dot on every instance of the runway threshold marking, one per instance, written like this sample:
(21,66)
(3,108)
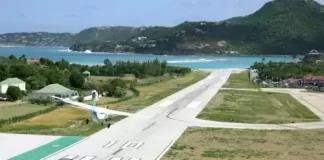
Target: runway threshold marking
(88,158)
(135,145)
(69,157)
(115,158)
(110,144)
(194,104)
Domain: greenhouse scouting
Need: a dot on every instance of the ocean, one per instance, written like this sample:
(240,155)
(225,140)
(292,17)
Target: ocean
(192,61)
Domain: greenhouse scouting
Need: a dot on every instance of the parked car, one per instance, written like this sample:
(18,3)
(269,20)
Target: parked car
(3,99)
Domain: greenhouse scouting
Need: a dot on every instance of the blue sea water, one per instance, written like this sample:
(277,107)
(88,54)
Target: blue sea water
(195,62)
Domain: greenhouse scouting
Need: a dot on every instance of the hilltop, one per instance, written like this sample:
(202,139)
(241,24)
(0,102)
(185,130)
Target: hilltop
(114,34)
(279,27)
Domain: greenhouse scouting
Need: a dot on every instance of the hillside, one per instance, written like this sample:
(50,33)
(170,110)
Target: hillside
(114,34)
(36,39)
(279,27)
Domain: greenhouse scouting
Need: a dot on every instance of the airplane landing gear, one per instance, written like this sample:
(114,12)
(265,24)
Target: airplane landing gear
(102,124)
(108,126)
(87,121)
(106,120)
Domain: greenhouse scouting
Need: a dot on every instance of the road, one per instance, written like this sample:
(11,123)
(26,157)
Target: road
(152,131)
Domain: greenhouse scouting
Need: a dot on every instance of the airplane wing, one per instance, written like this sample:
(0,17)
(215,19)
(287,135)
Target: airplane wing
(89,107)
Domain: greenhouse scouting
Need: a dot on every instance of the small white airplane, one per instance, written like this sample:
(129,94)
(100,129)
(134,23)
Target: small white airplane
(98,115)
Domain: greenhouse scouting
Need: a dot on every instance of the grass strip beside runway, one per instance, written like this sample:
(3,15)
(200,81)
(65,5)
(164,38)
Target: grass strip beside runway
(237,144)
(256,107)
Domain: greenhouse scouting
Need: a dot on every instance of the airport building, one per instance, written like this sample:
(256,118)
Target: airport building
(55,90)
(12,82)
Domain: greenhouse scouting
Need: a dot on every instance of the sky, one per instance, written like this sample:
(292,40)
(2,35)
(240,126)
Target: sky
(75,15)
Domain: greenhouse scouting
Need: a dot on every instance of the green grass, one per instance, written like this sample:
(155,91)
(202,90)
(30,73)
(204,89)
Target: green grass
(240,80)
(235,144)
(256,107)
(70,121)
(153,93)
(232,153)
(11,110)
(66,121)
(76,127)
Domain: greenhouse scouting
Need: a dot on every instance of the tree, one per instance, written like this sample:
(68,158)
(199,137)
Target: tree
(12,57)
(36,82)
(4,71)
(55,76)
(76,80)
(108,63)
(14,93)
(23,58)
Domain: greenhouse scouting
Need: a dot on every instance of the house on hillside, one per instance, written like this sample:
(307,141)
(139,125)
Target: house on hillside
(54,90)
(12,82)
(221,43)
(32,61)
(86,73)
(314,52)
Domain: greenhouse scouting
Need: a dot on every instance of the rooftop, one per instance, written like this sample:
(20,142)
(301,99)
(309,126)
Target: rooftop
(11,81)
(55,88)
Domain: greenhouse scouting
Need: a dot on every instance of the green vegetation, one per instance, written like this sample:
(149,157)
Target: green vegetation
(113,34)
(26,112)
(279,27)
(36,39)
(239,80)
(62,72)
(76,80)
(9,110)
(65,121)
(256,107)
(281,70)
(14,93)
(235,144)
(150,94)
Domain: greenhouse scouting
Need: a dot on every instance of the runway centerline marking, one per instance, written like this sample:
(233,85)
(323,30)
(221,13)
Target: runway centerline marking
(110,144)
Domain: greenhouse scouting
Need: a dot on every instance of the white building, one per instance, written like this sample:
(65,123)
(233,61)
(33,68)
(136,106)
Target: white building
(12,82)
(254,74)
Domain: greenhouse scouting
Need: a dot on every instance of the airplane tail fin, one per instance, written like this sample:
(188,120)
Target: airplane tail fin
(94,98)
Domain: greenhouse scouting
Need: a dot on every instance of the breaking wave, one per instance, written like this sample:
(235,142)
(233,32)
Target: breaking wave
(201,60)
(64,50)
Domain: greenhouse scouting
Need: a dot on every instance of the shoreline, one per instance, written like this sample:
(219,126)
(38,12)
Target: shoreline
(155,54)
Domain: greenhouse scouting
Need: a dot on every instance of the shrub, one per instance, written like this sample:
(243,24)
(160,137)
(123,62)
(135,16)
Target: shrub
(119,92)
(80,98)
(14,93)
